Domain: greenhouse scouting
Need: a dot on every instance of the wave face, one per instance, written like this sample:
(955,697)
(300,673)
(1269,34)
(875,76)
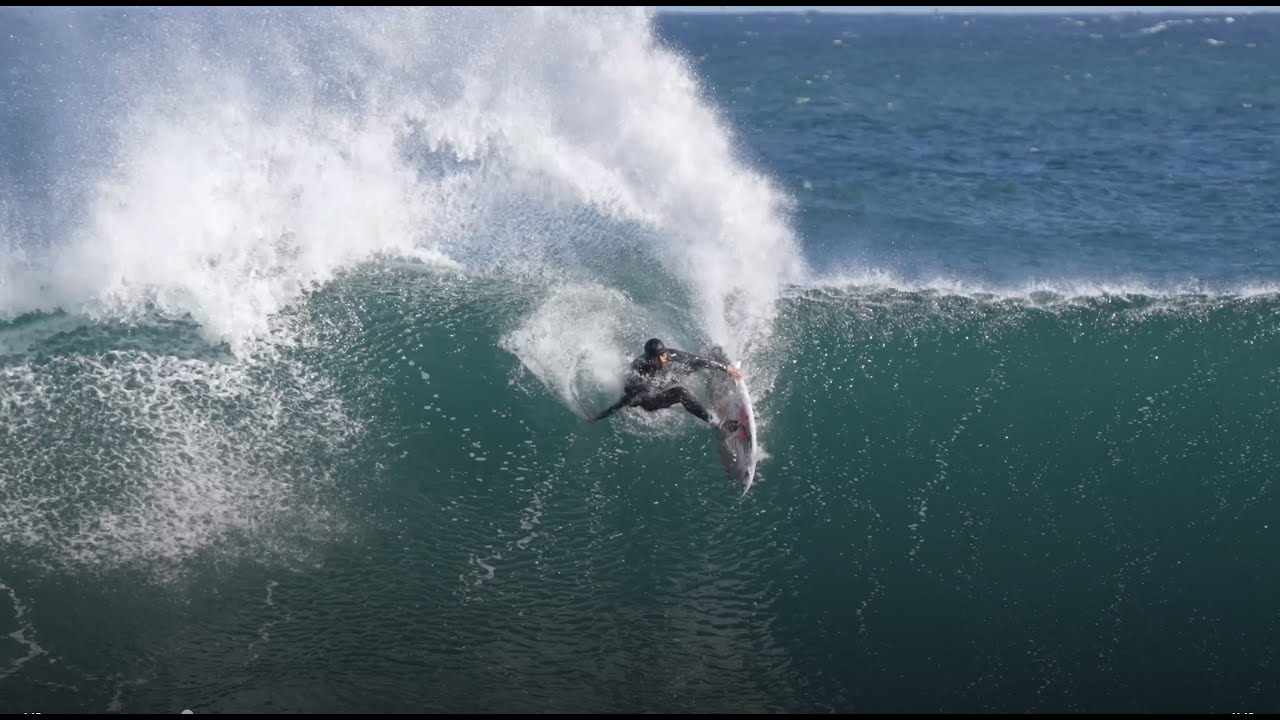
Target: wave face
(299,309)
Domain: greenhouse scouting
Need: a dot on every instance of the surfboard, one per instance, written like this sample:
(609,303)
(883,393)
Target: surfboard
(571,384)
(730,398)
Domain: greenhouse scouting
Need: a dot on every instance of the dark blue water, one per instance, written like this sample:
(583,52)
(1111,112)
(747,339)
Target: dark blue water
(1004,151)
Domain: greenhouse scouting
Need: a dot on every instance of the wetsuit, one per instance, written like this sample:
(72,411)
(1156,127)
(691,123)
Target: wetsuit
(650,386)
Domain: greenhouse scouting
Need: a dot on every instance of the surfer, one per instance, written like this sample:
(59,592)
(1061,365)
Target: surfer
(649,383)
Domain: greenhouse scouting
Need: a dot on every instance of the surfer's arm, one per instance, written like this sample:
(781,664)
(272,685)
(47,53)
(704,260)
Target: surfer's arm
(697,362)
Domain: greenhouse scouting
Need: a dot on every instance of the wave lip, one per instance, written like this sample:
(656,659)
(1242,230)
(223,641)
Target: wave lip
(1038,291)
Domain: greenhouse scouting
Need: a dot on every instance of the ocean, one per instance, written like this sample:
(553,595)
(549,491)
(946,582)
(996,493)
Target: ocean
(299,309)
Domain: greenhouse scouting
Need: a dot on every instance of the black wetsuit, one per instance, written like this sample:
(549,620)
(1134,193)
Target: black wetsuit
(649,384)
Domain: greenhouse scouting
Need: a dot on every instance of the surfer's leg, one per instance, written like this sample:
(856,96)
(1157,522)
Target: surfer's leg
(626,399)
(671,396)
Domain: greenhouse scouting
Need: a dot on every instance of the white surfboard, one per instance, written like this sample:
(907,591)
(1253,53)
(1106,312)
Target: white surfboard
(739,451)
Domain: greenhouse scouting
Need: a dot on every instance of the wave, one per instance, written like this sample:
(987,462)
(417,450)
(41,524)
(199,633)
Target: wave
(203,177)
(250,156)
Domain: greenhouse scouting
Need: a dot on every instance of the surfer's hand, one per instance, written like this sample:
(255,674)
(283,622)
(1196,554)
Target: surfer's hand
(734,373)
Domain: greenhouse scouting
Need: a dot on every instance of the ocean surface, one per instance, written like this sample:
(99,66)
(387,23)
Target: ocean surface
(299,309)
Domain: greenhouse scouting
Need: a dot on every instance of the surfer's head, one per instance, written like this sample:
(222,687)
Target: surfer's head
(655,350)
